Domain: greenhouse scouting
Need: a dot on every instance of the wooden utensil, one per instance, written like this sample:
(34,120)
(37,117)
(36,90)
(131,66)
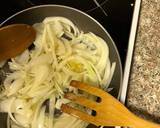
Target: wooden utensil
(14,39)
(109,111)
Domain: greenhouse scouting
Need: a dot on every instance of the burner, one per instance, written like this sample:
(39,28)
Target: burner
(79,4)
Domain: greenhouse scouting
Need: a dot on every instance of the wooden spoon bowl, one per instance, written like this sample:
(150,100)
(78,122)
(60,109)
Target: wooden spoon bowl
(14,39)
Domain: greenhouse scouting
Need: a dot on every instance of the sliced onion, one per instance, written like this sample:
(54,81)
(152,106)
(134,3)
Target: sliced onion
(61,53)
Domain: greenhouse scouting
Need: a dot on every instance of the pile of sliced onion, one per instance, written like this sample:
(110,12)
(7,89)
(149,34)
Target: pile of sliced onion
(60,53)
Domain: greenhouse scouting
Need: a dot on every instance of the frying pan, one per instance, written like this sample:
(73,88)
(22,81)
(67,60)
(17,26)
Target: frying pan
(84,22)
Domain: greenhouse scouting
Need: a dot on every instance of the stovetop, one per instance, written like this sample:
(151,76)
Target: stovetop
(114,15)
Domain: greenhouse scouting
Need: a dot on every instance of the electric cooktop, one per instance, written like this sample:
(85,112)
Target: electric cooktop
(119,18)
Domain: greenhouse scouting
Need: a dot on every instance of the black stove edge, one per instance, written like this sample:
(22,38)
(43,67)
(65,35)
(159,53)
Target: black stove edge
(129,57)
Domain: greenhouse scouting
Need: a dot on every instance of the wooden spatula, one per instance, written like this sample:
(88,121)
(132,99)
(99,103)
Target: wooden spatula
(109,111)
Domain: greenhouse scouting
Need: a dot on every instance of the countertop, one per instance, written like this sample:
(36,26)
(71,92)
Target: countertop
(144,86)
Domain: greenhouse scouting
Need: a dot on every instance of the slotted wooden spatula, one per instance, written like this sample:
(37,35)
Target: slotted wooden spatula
(109,111)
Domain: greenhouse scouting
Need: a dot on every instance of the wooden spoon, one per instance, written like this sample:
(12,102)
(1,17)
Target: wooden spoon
(109,111)
(14,39)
